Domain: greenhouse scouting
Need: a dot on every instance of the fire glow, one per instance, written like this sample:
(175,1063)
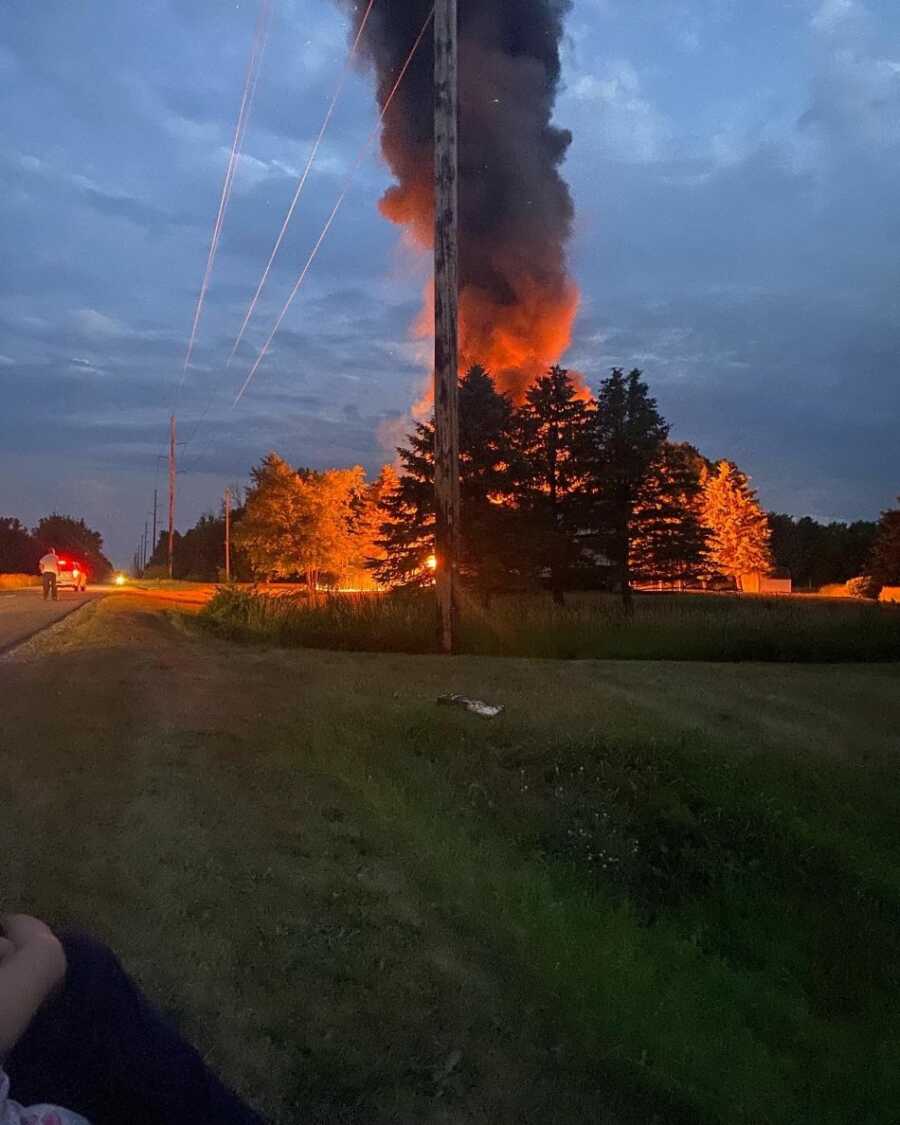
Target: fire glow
(517,300)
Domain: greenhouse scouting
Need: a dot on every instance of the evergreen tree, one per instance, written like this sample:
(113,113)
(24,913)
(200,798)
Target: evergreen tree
(628,434)
(668,539)
(550,472)
(487,548)
(884,564)
(739,530)
(407,531)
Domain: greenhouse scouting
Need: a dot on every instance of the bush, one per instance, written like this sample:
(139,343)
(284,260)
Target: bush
(862,587)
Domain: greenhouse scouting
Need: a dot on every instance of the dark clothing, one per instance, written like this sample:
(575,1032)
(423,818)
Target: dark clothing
(48,579)
(100,1049)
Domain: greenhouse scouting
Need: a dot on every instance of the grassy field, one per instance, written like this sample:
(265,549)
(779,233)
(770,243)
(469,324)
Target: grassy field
(648,892)
(664,627)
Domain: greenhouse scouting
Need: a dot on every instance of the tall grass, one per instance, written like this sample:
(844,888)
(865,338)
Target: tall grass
(18,581)
(664,627)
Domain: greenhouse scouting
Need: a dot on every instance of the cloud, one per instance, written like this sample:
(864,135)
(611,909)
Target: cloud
(832,14)
(628,124)
(95,325)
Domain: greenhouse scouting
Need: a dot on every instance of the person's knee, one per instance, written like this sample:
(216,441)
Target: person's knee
(90,964)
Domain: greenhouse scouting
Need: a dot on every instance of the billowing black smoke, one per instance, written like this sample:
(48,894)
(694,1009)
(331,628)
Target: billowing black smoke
(517,302)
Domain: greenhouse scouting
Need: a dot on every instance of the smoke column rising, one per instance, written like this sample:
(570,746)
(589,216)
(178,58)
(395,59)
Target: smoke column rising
(517,301)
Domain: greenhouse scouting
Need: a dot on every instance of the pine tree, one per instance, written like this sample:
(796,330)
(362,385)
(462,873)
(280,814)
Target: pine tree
(407,530)
(884,563)
(487,549)
(550,472)
(489,554)
(628,433)
(739,528)
(668,539)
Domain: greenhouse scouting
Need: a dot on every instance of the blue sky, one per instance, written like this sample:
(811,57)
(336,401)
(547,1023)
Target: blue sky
(736,171)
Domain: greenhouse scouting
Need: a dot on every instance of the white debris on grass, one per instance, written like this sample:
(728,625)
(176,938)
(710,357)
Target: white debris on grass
(476,706)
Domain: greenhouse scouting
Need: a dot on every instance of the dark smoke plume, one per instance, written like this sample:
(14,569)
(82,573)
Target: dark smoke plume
(517,302)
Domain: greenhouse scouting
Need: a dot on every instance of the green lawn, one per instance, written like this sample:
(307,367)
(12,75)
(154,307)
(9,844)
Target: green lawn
(649,891)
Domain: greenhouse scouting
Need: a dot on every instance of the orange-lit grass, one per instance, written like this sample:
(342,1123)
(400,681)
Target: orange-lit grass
(18,581)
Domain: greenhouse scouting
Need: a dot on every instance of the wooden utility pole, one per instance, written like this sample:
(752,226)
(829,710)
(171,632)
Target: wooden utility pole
(172,498)
(145,556)
(446,317)
(227,534)
(155,503)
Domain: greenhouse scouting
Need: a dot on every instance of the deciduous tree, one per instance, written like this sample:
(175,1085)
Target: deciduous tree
(19,551)
(278,521)
(884,565)
(68,534)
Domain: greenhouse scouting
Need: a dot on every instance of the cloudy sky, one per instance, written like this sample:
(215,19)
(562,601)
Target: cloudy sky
(736,171)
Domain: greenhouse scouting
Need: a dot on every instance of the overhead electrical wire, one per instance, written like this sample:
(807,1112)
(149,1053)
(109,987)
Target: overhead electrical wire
(348,64)
(301,182)
(330,220)
(249,92)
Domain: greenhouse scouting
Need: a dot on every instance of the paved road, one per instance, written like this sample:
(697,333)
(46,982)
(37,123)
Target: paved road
(24,612)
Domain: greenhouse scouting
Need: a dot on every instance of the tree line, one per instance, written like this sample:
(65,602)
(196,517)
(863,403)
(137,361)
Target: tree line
(21,548)
(566,490)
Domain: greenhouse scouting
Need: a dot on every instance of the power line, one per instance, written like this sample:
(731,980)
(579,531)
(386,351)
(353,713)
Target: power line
(301,183)
(354,48)
(330,220)
(250,82)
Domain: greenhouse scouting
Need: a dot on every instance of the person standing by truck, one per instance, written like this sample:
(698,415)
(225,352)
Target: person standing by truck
(49,568)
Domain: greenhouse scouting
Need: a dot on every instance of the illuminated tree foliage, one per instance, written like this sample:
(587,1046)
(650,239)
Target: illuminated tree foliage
(628,434)
(739,529)
(366,527)
(668,539)
(551,471)
(334,497)
(298,522)
(884,565)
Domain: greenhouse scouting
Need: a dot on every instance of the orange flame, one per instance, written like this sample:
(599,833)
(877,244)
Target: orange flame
(516,340)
